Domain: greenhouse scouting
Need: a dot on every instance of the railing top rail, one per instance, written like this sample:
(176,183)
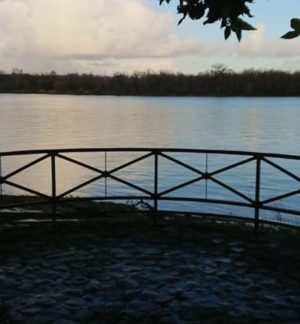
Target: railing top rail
(150,149)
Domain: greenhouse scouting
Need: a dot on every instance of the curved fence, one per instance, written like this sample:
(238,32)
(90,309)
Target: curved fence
(216,172)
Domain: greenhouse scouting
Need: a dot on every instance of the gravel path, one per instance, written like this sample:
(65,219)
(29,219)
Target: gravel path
(164,278)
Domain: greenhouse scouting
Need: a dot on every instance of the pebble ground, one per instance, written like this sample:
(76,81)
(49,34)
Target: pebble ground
(136,275)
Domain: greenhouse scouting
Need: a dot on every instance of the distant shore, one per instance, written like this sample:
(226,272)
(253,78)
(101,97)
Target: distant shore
(84,93)
(218,82)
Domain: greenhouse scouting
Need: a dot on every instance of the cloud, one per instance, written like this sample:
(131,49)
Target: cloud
(258,45)
(89,30)
(114,35)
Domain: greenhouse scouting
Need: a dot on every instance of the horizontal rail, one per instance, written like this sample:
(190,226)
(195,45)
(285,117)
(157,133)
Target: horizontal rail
(255,203)
(154,150)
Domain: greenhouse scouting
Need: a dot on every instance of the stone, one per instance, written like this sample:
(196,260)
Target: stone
(45,302)
(62,268)
(237,249)
(128,284)
(74,302)
(38,319)
(100,306)
(11,283)
(217,240)
(64,321)
(209,270)
(31,301)
(31,311)
(92,286)
(74,292)
(83,314)
(132,269)
(26,286)
(78,281)
(164,298)
(15,317)
(240,263)
(148,295)
(224,260)
(135,304)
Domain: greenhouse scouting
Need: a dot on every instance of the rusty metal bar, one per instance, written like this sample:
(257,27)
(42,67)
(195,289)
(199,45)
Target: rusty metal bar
(34,192)
(222,184)
(155,196)
(84,165)
(181,163)
(130,184)
(123,166)
(182,185)
(53,187)
(278,167)
(286,195)
(1,179)
(232,166)
(68,192)
(206,172)
(105,168)
(26,166)
(257,193)
(169,150)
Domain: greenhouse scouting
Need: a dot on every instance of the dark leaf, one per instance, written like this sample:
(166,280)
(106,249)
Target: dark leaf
(182,19)
(243,25)
(295,24)
(197,12)
(238,33)
(246,10)
(291,34)
(224,23)
(227,32)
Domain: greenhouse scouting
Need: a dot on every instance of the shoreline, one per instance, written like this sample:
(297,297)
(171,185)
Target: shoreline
(112,94)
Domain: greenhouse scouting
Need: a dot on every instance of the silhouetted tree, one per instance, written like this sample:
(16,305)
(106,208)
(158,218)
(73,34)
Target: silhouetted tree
(228,12)
(219,81)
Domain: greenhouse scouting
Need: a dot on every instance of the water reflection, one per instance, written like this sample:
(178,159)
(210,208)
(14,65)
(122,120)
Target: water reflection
(45,121)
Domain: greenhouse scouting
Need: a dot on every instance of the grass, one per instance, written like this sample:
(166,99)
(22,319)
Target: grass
(129,224)
(119,221)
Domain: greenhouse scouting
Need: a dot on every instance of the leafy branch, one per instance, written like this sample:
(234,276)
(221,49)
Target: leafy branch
(295,24)
(228,12)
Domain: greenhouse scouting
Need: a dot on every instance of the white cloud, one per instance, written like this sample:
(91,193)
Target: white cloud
(258,45)
(88,30)
(115,35)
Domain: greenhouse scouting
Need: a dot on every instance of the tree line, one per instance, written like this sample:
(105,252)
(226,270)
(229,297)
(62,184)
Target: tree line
(220,81)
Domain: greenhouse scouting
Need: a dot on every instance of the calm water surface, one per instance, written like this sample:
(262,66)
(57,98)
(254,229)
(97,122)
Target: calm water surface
(45,121)
(249,124)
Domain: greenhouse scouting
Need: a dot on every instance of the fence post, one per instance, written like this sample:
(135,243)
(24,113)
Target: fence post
(257,192)
(155,185)
(105,169)
(1,192)
(206,172)
(53,180)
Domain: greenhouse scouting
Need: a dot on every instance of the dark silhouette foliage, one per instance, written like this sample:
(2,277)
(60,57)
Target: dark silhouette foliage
(228,12)
(220,81)
(295,32)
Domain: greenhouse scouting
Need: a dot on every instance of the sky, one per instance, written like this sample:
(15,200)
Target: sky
(126,36)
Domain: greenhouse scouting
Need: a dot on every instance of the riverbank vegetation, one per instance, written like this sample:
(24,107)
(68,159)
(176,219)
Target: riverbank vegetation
(219,81)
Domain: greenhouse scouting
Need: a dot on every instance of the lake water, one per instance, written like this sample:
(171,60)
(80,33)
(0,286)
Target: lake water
(247,124)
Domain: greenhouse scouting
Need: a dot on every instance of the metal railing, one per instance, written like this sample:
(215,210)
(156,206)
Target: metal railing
(154,196)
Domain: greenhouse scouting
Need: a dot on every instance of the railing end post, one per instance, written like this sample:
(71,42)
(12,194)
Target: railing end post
(53,184)
(257,203)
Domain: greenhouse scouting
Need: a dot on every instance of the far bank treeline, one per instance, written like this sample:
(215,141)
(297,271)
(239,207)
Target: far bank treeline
(217,82)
